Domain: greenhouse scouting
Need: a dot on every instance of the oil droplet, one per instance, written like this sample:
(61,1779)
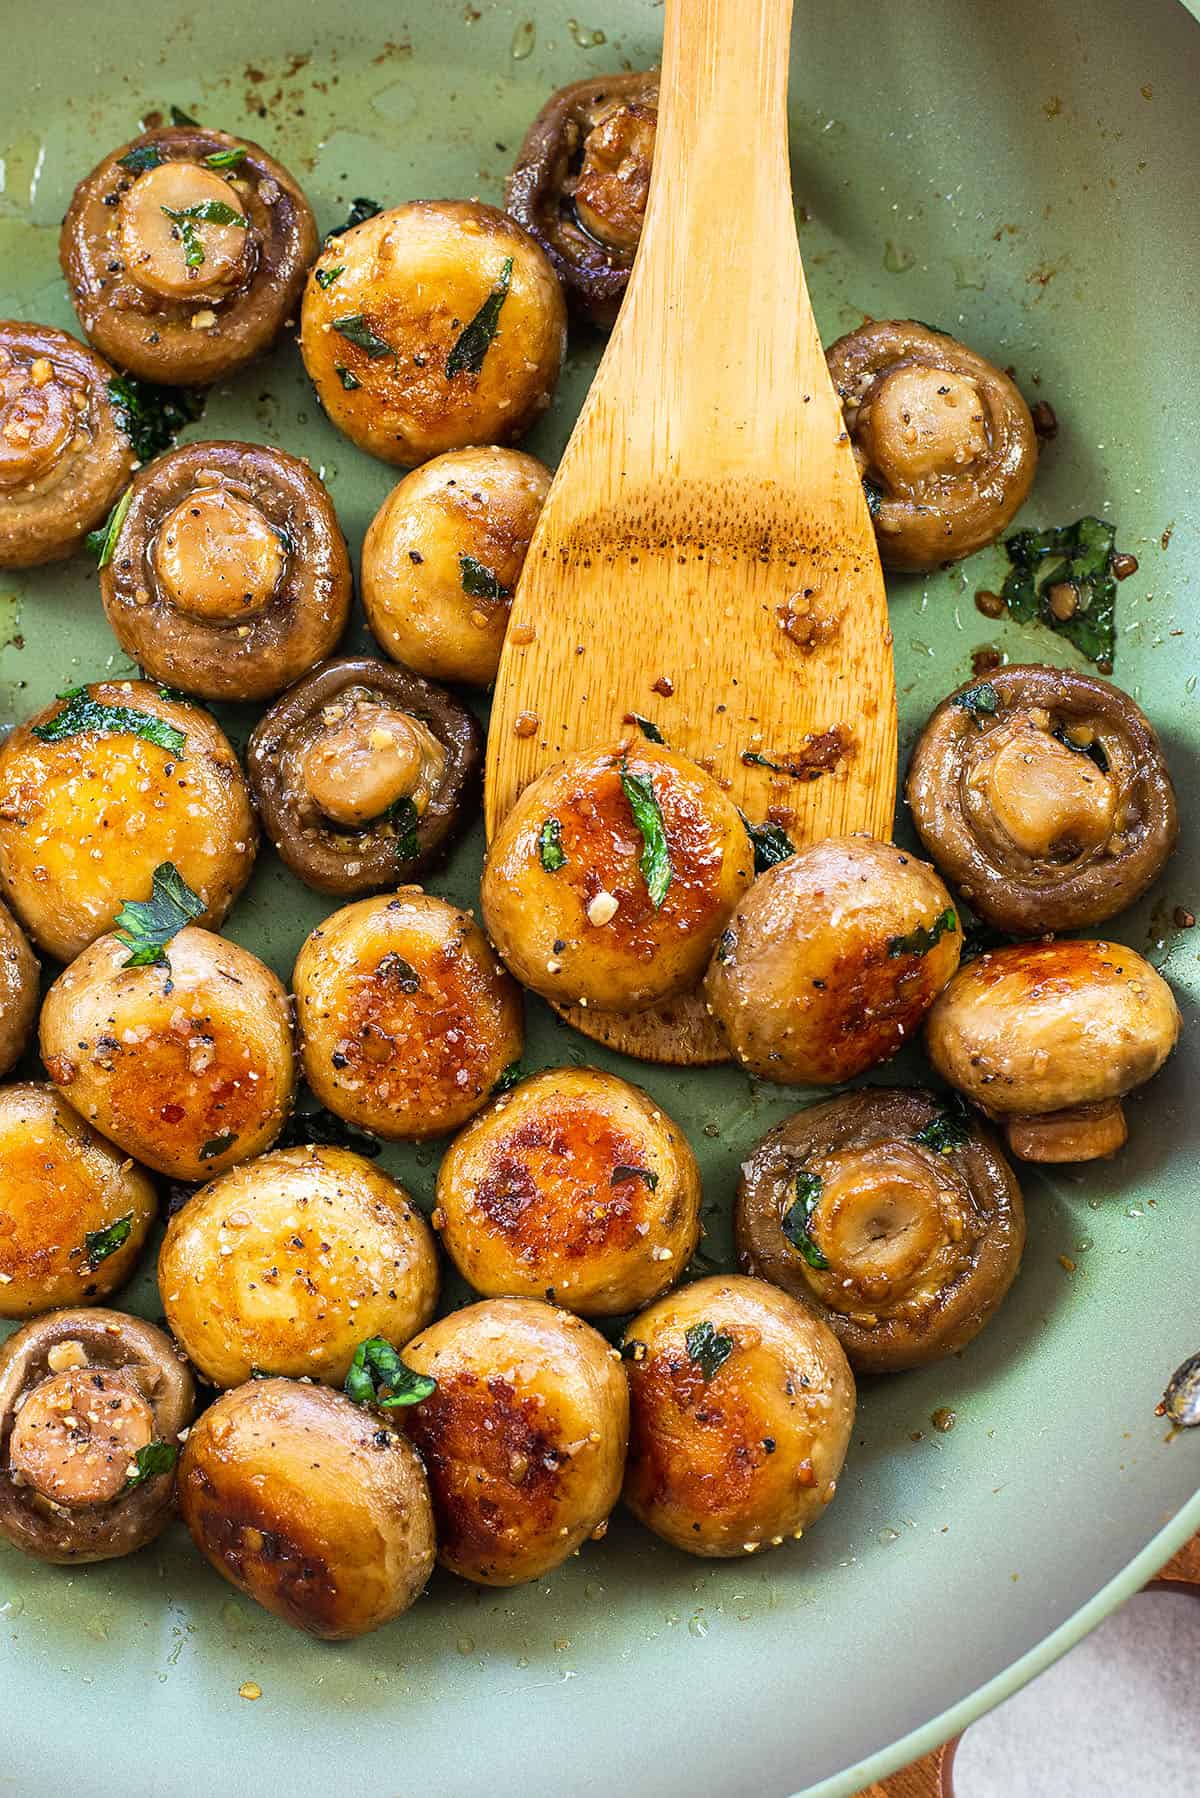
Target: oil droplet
(465,1645)
(12,1607)
(969,273)
(1083,1245)
(698,1625)
(584,36)
(97,1629)
(944,1419)
(1093,1204)
(889,1535)
(1134,1211)
(593,1589)
(524,37)
(895,259)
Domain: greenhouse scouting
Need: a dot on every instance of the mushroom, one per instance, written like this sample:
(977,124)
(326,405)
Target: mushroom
(1048,1038)
(185,1062)
(741,1408)
(103,786)
(580,183)
(185,252)
(523,1438)
(406,1021)
(1043,795)
(364,774)
(613,876)
(575,1187)
(442,558)
(74,1211)
(433,326)
(831,961)
(229,575)
(286,1263)
(92,1404)
(18,990)
(889,1215)
(309,1504)
(64,456)
(944,442)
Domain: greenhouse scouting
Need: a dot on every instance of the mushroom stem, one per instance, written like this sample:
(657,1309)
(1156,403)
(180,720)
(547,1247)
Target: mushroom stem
(1081,1133)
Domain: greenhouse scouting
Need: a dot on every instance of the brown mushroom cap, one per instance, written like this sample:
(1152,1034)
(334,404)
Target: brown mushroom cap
(63,456)
(184,337)
(341,859)
(18,990)
(260,568)
(943,440)
(1043,796)
(921,1235)
(566,145)
(149,1364)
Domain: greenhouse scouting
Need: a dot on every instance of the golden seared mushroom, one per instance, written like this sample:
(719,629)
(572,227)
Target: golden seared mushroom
(185,253)
(64,455)
(580,183)
(1043,796)
(286,1263)
(433,326)
(889,1215)
(523,1439)
(832,960)
(364,774)
(741,1407)
(575,1187)
(184,1061)
(74,1211)
(1048,1038)
(442,558)
(99,789)
(944,442)
(407,1023)
(92,1404)
(18,990)
(310,1505)
(228,575)
(613,876)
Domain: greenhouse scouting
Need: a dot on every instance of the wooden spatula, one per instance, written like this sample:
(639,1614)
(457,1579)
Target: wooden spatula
(705,557)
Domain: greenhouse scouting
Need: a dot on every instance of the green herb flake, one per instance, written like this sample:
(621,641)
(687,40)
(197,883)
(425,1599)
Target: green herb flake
(708,1348)
(655,860)
(146,926)
(325,277)
(947,1130)
(349,381)
(206,212)
(180,117)
(150,416)
(921,940)
(550,850)
(360,210)
(752,758)
(874,498)
(404,818)
(225,159)
(216,1145)
(796,1222)
(141,158)
(151,1462)
(770,842)
(982,701)
(84,716)
(1077,557)
(621,1173)
(726,944)
(355,329)
(401,973)
(321,1128)
(376,1369)
(508,1079)
(98,1245)
(1095,750)
(103,541)
(647,727)
(475,339)
(479,582)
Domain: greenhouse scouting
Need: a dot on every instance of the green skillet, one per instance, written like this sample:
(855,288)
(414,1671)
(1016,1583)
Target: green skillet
(1022,174)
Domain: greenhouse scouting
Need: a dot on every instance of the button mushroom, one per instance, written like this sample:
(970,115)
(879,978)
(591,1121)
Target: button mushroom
(18,990)
(831,961)
(944,442)
(891,1216)
(185,251)
(364,774)
(229,575)
(1043,795)
(431,327)
(92,1404)
(580,183)
(1048,1038)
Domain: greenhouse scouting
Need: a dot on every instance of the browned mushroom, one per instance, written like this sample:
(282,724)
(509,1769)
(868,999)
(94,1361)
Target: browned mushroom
(364,774)
(891,1216)
(18,990)
(580,184)
(91,1407)
(229,575)
(1043,795)
(64,456)
(943,440)
(185,251)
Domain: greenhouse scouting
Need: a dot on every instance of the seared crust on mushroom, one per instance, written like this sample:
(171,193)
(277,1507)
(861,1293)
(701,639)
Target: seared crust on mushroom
(63,455)
(1043,796)
(186,298)
(334,707)
(68,1500)
(580,182)
(18,990)
(229,576)
(944,442)
(910,1226)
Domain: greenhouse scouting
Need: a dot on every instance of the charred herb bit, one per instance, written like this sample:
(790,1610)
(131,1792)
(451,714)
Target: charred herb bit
(83,716)
(217,1145)
(475,338)
(320,1128)
(621,1173)
(1077,557)
(509,1077)
(98,1245)
(709,1348)
(655,860)
(404,818)
(225,159)
(796,1222)
(141,158)
(770,842)
(150,1462)
(146,926)
(400,972)
(753,758)
(377,1369)
(480,582)
(647,727)
(150,416)
(632,1349)
(103,541)
(921,940)
(1181,1401)
(360,209)
(946,1130)
(981,702)
(1095,750)
(355,329)
(873,496)
(550,850)
(349,381)
(726,944)
(180,117)
(325,277)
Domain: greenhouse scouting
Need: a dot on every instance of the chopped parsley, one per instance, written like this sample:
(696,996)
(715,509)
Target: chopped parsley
(621,1173)
(103,541)
(98,1245)
(349,381)
(921,940)
(550,850)
(205,212)
(217,1145)
(322,1128)
(873,496)
(360,209)
(151,417)
(141,158)
(480,582)
(509,1077)
(377,1368)
(146,926)
(1063,577)
(150,1462)
(325,277)
(180,117)
(770,842)
(355,329)
(225,159)
(647,815)
(648,728)
(796,1222)
(404,818)
(947,1129)
(84,716)
(473,342)
(708,1348)
(982,701)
